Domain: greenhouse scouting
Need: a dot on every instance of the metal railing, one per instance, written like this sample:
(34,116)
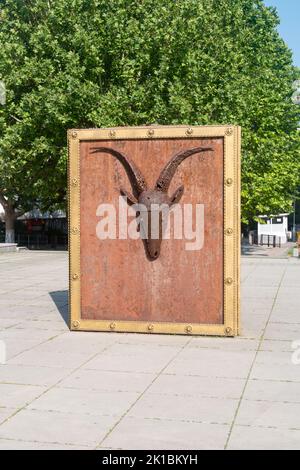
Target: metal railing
(270,240)
(38,241)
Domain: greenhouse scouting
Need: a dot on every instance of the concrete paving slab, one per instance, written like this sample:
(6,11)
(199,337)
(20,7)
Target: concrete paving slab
(5,413)
(97,403)
(32,375)
(277,345)
(50,359)
(287,315)
(6,323)
(263,438)
(147,363)
(287,373)
(284,331)
(90,345)
(18,396)
(163,340)
(179,408)
(159,434)
(85,379)
(56,428)
(212,363)
(269,414)
(224,344)
(11,444)
(147,391)
(273,391)
(193,386)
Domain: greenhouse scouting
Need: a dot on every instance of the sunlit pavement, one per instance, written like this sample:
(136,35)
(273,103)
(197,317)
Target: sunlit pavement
(62,390)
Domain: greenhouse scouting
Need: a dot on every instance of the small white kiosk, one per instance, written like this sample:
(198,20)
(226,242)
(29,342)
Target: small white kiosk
(273,226)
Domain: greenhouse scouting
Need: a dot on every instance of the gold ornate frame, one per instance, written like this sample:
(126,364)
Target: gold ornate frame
(232,144)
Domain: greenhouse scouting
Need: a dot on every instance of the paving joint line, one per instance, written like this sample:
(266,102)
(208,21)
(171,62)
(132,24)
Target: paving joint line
(53,386)
(261,340)
(143,393)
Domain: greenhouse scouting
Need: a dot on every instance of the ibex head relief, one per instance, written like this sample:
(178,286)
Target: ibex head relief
(147,201)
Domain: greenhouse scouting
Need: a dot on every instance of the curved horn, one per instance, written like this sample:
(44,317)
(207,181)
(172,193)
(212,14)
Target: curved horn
(135,177)
(165,178)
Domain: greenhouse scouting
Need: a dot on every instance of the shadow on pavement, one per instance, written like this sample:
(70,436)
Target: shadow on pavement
(248,250)
(61,300)
(264,251)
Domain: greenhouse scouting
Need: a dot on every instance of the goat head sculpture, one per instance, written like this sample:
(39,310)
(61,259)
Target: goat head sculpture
(151,199)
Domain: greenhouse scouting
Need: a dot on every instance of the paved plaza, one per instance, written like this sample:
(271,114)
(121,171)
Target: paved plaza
(63,390)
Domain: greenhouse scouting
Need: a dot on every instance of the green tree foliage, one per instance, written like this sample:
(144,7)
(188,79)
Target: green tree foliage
(95,63)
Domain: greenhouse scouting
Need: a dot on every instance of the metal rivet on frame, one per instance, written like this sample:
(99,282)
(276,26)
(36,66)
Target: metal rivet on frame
(229,131)
(74,134)
(112,134)
(76,324)
(229,281)
(74,182)
(150,327)
(150,132)
(189,329)
(228,331)
(75,230)
(112,326)
(229,182)
(189,131)
(75,277)
(229,231)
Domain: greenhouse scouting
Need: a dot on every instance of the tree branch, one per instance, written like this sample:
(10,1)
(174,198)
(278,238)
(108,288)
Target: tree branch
(15,118)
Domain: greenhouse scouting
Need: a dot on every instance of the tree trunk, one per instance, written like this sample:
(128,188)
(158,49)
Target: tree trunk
(10,215)
(10,218)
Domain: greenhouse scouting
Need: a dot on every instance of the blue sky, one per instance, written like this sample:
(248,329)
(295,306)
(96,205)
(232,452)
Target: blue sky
(289,12)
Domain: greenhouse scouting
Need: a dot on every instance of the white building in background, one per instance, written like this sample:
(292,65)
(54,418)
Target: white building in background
(276,225)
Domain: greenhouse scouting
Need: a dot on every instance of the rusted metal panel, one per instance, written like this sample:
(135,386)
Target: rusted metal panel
(119,282)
